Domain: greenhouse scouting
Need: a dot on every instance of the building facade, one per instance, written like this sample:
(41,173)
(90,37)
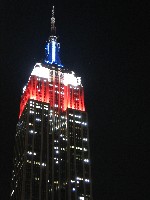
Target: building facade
(51,154)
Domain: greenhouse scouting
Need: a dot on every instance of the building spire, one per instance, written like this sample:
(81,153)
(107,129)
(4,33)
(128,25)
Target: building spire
(53,28)
(52,46)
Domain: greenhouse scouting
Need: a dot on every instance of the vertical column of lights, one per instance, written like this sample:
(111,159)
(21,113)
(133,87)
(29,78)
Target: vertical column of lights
(77,121)
(53,51)
(56,159)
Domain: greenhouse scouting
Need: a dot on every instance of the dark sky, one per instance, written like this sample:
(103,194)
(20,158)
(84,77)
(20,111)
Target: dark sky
(104,42)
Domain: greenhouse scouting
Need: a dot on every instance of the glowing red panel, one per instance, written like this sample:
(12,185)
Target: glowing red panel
(56,94)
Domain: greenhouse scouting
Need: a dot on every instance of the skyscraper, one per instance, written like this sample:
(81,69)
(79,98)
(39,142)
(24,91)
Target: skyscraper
(51,154)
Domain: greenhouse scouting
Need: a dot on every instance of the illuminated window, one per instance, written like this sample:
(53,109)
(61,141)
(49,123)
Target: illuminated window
(30,153)
(81,198)
(86,160)
(85,149)
(87,180)
(31,131)
(38,119)
(84,139)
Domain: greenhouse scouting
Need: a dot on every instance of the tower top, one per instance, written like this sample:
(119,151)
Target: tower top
(52,46)
(53,28)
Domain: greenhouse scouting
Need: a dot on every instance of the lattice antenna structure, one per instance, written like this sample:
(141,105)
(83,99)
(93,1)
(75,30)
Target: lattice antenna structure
(53,28)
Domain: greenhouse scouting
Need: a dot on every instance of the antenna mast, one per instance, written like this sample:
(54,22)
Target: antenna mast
(53,28)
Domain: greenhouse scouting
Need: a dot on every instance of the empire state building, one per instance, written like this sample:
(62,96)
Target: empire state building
(51,153)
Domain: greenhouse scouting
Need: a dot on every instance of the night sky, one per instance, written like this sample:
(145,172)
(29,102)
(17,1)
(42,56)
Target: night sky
(104,42)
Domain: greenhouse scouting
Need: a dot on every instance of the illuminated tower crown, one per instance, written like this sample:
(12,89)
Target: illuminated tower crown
(50,83)
(52,46)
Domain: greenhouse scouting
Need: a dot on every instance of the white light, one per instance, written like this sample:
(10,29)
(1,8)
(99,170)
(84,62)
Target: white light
(31,111)
(79,148)
(30,153)
(81,198)
(78,178)
(38,106)
(31,131)
(84,139)
(37,119)
(73,189)
(24,88)
(77,122)
(78,116)
(84,123)
(53,51)
(86,160)
(12,192)
(40,71)
(85,149)
(71,79)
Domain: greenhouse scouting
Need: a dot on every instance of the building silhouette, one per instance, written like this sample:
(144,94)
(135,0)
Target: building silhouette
(51,154)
